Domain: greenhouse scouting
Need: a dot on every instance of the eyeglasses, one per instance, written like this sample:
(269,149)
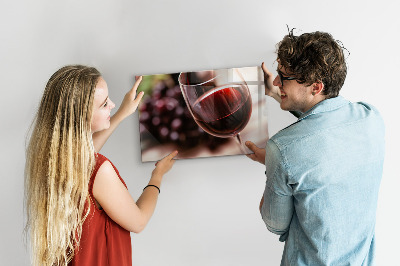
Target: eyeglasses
(282,78)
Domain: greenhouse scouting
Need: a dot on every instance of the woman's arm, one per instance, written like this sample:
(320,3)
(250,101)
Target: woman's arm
(116,201)
(128,107)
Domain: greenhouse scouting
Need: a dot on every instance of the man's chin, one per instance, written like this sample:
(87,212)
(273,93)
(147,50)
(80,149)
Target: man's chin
(285,108)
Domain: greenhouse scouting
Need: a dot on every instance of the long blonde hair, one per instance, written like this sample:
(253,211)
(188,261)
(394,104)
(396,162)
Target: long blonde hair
(59,162)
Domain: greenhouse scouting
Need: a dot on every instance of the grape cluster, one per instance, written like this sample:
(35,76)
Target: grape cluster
(165,116)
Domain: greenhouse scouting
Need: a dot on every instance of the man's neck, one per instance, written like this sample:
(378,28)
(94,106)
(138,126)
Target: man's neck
(316,100)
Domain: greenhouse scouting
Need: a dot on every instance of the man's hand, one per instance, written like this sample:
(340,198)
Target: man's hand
(258,155)
(270,89)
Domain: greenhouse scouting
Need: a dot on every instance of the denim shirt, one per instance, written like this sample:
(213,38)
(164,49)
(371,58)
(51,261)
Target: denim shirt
(323,176)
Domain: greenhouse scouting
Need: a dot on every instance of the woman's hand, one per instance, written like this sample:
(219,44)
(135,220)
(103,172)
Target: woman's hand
(119,205)
(131,101)
(165,164)
(270,89)
(128,107)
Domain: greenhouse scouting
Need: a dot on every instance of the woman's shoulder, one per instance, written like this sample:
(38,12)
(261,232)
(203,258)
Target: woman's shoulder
(105,167)
(99,161)
(102,165)
(100,158)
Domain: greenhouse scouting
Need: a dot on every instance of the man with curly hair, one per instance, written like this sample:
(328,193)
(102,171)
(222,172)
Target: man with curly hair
(323,171)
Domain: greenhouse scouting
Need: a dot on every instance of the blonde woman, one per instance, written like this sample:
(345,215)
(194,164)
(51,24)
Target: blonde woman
(78,207)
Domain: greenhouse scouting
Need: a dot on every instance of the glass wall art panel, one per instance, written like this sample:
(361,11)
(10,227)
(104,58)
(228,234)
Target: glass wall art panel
(202,113)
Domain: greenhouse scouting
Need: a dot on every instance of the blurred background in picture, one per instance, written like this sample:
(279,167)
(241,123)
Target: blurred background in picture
(203,113)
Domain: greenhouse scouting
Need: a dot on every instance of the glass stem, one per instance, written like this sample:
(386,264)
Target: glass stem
(241,144)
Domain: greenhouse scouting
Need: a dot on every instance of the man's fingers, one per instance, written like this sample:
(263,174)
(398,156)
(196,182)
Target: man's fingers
(251,156)
(251,146)
(265,69)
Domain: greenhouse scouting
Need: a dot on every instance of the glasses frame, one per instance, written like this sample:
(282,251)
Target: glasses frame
(282,78)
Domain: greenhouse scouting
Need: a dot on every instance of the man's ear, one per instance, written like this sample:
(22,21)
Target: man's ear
(317,88)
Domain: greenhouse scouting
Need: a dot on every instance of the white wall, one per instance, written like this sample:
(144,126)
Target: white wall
(208,208)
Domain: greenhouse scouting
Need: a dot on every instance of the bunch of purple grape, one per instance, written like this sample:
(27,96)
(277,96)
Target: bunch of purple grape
(165,116)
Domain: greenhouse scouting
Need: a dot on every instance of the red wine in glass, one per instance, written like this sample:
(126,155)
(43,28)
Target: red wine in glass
(223,111)
(219,101)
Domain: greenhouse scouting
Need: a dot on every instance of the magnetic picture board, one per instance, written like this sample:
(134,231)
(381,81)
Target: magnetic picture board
(202,113)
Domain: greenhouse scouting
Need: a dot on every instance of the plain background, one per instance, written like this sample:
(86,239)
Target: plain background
(208,208)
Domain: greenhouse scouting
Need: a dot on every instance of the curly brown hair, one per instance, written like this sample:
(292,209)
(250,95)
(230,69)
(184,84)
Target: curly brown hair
(314,57)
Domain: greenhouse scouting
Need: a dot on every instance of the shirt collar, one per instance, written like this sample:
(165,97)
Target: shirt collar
(325,106)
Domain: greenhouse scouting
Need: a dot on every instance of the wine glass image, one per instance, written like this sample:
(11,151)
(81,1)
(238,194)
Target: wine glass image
(219,101)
